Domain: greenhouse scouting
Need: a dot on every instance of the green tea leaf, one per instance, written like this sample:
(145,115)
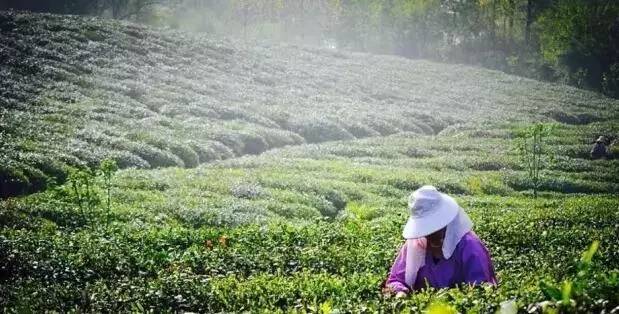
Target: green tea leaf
(441,308)
(566,292)
(587,256)
(550,291)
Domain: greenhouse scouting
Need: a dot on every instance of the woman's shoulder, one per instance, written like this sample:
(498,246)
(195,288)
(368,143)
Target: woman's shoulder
(470,242)
(470,237)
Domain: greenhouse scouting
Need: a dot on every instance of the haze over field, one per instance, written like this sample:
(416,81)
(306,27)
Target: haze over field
(90,89)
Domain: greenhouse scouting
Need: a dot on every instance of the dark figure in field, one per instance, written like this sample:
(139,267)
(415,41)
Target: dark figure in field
(599,150)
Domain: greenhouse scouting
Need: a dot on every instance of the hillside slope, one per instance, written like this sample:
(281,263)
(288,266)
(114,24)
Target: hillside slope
(75,90)
(302,227)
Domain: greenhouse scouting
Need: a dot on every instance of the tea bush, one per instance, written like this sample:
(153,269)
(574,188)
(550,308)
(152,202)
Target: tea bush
(299,229)
(84,87)
(293,226)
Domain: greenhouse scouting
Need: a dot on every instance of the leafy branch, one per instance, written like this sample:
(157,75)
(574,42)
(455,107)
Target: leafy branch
(83,185)
(531,146)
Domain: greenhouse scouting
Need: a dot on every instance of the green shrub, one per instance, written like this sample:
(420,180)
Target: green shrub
(362,211)
(134,180)
(189,157)
(336,198)
(195,217)
(126,159)
(573,151)
(416,152)
(156,157)
(292,210)
(211,151)
(243,143)
(358,130)
(452,187)
(247,190)
(320,130)
(85,195)
(278,138)
(436,123)
(13,181)
(381,126)
(572,164)
(613,150)
(489,165)
(407,185)
(563,185)
(107,168)
(253,145)
(567,118)
(325,207)
(50,167)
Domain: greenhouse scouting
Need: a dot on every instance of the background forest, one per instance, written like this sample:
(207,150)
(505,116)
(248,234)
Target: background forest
(568,41)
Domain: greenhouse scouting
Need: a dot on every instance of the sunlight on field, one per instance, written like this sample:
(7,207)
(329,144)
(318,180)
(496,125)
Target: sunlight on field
(318,222)
(276,178)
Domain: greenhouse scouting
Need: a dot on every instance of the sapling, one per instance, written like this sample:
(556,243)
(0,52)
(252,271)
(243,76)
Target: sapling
(82,187)
(107,168)
(532,149)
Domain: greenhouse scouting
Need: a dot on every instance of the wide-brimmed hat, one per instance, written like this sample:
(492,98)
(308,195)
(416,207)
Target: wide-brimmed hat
(430,210)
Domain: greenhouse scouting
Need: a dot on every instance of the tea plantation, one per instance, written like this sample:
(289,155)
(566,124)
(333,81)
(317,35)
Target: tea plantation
(275,178)
(76,90)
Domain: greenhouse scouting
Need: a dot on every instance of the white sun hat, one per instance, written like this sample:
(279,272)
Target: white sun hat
(430,210)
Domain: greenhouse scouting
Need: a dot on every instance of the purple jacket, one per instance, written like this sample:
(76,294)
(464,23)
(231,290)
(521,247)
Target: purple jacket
(469,264)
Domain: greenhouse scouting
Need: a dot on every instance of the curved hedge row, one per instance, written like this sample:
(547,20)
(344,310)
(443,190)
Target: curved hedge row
(76,90)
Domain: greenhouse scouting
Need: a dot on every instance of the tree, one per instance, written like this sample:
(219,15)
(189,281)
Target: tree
(531,144)
(529,22)
(574,36)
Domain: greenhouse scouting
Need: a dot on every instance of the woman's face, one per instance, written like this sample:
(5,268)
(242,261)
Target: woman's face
(435,240)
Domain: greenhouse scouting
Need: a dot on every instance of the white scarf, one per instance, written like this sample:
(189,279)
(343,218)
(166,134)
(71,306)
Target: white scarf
(416,248)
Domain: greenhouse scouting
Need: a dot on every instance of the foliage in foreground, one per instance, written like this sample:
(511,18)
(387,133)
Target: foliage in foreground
(314,228)
(279,265)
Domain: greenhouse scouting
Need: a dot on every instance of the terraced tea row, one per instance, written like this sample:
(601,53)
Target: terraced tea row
(310,181)
(316,226)
(76,90)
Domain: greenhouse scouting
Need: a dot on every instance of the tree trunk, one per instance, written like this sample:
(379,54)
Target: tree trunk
(529,21)
(245,22)
(493,25)
(115,7)
(302,21)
